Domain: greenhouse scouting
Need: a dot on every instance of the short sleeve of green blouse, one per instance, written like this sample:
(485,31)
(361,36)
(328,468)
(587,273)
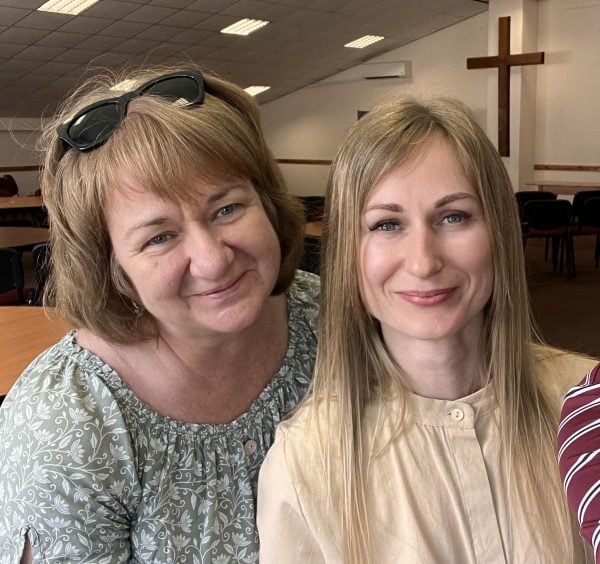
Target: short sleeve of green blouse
(91,474)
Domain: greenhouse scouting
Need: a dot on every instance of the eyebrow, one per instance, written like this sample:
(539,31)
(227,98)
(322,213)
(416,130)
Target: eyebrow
(161,219)
(439,204)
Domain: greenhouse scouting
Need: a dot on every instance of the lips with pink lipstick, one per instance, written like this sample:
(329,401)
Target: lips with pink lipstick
(427,297)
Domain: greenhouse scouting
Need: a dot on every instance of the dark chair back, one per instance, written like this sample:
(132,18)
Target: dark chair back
(311,259)
(590,213)
(547,215)
(8,186)
(579,200)
(12,278)
(313,207)
(530,195)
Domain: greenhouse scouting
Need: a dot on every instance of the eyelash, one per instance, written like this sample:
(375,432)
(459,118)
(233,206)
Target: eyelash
(220,211)
(379,226)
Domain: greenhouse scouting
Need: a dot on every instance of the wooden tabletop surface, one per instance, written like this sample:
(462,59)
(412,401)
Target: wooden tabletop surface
(16,202)
(313,229)
(17,237)
(566,187)
(26,332)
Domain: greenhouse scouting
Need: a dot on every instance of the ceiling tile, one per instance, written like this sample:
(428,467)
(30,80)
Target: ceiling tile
(10,16)
(172,3)
(41,20)
(83,24)
(9,50)
(191,36)
(211,6)
(218,22)
(135,46)
(21,35)
(18,67)
(80,56)
(111,9)
(125,29)
(102,42)
(30,4)
(158,32)
(186,18)
(61,39)
(150,14)
(39,53)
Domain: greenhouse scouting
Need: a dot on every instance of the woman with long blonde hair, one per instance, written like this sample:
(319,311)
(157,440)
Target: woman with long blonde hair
(430,432)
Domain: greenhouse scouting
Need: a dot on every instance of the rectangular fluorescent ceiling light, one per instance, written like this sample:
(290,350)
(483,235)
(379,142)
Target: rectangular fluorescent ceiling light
(71,7)
(364,41)
(244,27)
(255,90)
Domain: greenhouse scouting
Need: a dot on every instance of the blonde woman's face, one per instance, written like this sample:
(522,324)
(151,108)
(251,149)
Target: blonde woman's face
(425,258)
(203,268)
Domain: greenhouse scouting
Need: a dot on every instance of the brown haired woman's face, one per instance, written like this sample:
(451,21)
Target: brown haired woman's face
(201,268)
(425,256)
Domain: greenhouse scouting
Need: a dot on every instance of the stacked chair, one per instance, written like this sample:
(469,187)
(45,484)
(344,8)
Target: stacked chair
(585,221)
(551,219)
(12,278)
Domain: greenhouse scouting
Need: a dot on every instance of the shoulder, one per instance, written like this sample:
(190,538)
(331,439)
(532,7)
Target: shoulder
(558,370)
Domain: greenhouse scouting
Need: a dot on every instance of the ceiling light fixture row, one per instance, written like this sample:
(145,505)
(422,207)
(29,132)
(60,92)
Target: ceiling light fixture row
(244,26)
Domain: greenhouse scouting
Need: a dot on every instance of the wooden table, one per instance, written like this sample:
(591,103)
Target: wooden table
(22,238)
(18,202)
(564,187)
(26,332)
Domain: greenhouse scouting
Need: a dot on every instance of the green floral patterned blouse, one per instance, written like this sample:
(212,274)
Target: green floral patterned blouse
(93,475)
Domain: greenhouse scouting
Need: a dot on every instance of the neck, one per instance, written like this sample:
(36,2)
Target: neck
(201,380)
(449,369)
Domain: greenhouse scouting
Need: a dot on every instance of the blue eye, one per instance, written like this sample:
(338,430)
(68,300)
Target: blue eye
(454,218)
(227,210)
(159,239)
(385,226)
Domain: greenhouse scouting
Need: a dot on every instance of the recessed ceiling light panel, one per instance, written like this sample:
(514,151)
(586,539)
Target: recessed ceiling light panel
(255,90)
(71,7)
(364,41)
(244,27)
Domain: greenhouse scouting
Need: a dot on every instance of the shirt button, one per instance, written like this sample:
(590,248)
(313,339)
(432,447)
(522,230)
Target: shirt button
(250,447)
(457,414)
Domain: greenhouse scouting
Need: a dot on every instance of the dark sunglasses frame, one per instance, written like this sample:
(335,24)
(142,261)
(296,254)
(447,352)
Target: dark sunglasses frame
(121,103)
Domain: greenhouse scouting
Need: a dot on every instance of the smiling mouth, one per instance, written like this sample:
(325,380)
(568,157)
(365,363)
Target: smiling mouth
(222,290)
(428,297)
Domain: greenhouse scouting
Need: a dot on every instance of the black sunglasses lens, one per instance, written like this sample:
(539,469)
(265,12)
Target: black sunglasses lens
(95,125)
(182,90)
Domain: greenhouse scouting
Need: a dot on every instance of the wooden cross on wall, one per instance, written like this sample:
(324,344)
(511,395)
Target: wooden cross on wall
(503,61)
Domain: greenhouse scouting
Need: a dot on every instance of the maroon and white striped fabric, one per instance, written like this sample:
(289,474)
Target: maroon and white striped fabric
(579,454)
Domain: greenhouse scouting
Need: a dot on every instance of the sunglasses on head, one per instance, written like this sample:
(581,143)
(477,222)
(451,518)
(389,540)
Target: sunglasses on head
(94,124)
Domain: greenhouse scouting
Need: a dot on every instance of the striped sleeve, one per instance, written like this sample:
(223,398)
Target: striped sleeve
(579,454)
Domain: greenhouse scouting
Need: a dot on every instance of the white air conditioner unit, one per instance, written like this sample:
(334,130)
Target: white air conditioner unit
(398,69)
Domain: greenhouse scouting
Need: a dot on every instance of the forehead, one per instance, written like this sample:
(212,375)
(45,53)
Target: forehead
(130,196)
(433,171)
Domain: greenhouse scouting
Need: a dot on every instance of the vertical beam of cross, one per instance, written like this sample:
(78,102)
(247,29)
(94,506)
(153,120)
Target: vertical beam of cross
(503,61)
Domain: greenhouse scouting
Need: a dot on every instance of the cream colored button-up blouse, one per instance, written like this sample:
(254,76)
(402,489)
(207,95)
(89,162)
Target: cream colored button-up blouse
(437,492)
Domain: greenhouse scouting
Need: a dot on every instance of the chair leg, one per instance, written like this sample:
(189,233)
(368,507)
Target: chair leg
(571,271)
(556,248)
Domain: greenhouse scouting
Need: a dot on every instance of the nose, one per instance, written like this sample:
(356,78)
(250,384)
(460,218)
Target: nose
(423,254)
(210,255)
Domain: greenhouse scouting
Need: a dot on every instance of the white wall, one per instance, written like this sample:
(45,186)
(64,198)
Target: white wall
(568,88)
(310,123)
